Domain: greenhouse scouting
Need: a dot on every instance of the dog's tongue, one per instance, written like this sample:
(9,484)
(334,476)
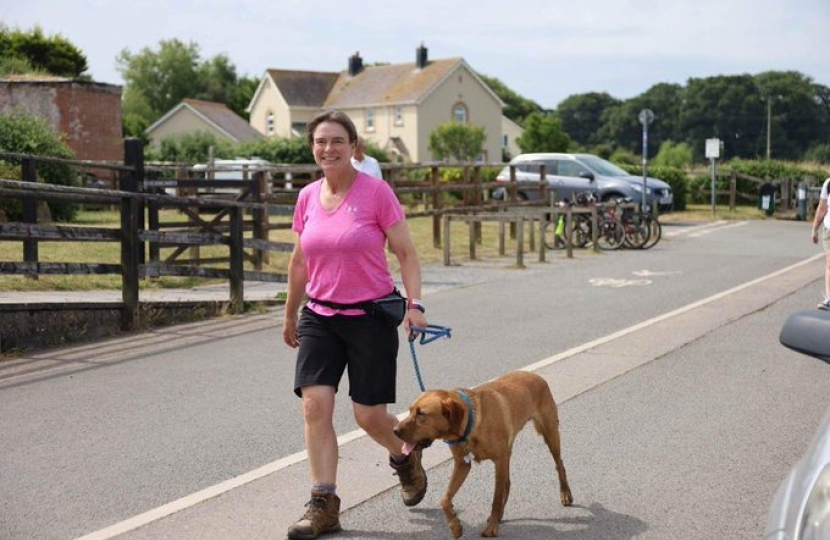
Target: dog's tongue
(407,448)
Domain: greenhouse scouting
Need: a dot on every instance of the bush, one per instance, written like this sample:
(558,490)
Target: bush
(190,148)
(819,153)
(673,176)
(674,155)
(278,150)
(763,169)
(22,133)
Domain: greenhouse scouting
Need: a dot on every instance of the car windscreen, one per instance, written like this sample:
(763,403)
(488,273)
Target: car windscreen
(605,168)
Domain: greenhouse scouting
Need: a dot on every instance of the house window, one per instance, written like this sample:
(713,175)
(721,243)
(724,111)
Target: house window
(459,113)
(505,142)
(370,119)
(398,115)
(269,123)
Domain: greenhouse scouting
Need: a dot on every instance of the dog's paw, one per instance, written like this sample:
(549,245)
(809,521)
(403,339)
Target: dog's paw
(492,529)
(566,498)
(456,529)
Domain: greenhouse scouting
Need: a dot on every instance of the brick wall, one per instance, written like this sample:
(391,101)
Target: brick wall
(88,113)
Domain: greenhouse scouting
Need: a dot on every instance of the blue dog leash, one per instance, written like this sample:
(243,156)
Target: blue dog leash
(428,335)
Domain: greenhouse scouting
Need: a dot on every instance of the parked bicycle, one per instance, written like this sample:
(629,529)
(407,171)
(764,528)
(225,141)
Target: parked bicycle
(610,232)
(642,229)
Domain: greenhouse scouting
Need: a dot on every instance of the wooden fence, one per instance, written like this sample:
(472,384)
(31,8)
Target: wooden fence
(139,190)
(785,190)
(132,235)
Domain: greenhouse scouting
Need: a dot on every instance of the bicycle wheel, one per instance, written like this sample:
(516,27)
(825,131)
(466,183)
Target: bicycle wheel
(581,231)
(655,232)
(611,234)
(636,232)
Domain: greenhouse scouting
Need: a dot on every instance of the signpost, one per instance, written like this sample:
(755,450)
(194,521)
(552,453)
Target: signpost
(646,117)
(713,153)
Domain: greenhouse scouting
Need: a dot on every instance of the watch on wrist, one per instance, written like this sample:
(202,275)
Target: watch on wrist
(416,304)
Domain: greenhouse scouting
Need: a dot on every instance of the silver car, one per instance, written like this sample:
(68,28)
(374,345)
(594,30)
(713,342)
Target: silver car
(801,508)
(572,173)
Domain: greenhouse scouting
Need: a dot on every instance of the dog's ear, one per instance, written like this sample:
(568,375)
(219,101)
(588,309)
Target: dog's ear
(453,412)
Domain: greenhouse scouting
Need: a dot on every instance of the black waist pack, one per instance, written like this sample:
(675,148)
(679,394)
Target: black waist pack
(391,307)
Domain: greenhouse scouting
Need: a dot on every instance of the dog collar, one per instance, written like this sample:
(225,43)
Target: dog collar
(470,420)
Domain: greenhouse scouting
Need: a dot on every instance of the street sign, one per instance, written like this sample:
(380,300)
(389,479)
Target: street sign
(646,117)
(712,148)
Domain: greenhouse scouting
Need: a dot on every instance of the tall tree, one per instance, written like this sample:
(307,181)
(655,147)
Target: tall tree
(455,141)
(729,108)
(621,125)
(796,116)
(581,116)
(160,79)
(543,133)
(516,107)
(33,49)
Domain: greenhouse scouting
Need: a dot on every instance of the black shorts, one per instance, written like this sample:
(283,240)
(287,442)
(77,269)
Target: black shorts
(365,344)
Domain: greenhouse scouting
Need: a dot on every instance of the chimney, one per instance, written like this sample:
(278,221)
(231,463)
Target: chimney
(421,57)
(355,64)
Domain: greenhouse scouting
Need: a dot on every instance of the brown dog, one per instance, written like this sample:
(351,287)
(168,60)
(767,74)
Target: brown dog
(482,423)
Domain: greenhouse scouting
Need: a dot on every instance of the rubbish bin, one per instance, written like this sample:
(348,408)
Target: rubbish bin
(766,198)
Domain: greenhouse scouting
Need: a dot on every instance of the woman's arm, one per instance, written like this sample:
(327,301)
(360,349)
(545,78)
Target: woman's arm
(402,246)
(297,280)
(820,212)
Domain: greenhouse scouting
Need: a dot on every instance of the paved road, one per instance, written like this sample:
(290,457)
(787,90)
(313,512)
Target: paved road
(680,411)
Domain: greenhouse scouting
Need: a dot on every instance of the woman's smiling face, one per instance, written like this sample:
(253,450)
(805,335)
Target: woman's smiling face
(331,146)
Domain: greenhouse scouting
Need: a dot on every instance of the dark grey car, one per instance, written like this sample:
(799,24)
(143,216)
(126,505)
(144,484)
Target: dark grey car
(568,174)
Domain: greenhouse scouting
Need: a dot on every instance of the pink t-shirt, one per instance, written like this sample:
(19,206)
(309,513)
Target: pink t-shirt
(344,248)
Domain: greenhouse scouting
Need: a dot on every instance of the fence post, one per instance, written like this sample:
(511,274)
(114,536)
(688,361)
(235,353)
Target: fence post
(569,228)
(543,182)
(472,228)
(129,262)
(237,271)
(513,190)
(153,224)
(260,217)
(134,157)
(30,246)
(478,197)
(733,190)
(520,241)
(436,207)
(595,227)
(446,239)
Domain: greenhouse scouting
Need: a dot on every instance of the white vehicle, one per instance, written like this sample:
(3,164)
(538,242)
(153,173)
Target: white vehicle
(233,170)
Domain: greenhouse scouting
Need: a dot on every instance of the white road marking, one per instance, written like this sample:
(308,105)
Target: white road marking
(690,230)
(698,234)
(649,273)
(617,283)
(282,463)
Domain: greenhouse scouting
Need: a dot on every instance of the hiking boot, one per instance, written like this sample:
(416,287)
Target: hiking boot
(413,478)
(321,517)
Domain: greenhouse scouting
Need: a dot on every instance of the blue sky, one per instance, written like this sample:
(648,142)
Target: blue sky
(545,50)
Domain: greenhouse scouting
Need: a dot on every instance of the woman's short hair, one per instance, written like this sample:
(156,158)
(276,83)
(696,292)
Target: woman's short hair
(338,117)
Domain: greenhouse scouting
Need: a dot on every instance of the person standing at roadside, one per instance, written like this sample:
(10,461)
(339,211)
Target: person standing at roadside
(364,162)
(821,229)
(343,221)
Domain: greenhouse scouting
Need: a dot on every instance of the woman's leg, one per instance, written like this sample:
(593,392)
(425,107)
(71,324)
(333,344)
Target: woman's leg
(320,437)
(378,424)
